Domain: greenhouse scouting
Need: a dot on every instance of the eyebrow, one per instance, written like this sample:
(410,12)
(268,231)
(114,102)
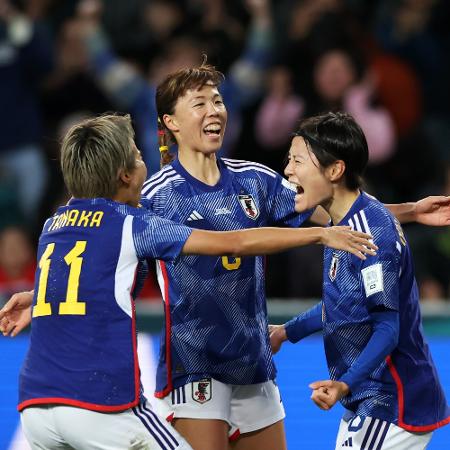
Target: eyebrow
(202,97)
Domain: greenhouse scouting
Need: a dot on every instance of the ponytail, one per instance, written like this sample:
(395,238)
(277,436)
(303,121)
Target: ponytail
(163,142)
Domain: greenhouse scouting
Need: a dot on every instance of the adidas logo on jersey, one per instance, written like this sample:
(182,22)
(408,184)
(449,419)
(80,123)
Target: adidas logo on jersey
(195,216)
(348,443)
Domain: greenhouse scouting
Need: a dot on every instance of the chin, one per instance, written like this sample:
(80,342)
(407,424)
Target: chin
(300,207)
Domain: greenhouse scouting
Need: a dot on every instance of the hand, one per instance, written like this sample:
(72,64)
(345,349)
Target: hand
(16,314)
(343,238)
(433,210)
(327,393)
(277,335)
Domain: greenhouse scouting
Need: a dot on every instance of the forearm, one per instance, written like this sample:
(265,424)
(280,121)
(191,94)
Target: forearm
(251,242)
(405,212)
(119,80)
(382,342)
(305,324)
(246,76)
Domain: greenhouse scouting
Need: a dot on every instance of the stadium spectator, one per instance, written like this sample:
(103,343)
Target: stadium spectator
(25,60)
(17,264)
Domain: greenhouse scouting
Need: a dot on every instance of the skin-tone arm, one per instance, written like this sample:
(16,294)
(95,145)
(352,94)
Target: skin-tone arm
(261,241)
(16,314)
(432,211)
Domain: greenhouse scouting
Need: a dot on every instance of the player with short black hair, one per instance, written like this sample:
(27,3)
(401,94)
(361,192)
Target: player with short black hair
(380,365)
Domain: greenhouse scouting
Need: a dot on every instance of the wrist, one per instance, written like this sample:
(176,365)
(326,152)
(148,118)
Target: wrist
(281,333)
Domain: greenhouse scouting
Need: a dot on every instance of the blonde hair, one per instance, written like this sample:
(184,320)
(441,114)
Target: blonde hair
(94,152)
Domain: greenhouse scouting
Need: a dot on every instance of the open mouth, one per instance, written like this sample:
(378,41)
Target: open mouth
(213,130)
(300,190)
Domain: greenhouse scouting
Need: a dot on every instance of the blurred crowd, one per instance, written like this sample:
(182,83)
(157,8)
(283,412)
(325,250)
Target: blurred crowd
(387,62)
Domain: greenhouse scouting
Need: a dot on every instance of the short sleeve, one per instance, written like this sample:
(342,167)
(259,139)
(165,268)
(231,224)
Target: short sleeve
(155,237)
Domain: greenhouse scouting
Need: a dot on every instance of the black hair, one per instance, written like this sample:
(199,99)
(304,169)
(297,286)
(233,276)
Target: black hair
(336,136)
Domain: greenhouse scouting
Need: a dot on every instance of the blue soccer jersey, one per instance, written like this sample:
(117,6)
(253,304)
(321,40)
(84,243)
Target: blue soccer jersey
(216,318)
(404,389)
(83,338)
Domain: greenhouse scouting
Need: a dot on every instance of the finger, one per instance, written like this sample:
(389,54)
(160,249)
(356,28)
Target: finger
(319,402)
(366,242)
(8,328)
(320,383)
(358,254)
(361,234)
(364,249)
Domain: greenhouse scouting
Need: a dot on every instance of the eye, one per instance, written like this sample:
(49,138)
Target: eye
(219,102)
(198,104)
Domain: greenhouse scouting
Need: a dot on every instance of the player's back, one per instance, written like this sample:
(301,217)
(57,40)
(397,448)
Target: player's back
(83,341)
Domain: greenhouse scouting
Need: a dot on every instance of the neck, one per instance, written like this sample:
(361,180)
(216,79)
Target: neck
(341,203)
(123,196)
(201,166)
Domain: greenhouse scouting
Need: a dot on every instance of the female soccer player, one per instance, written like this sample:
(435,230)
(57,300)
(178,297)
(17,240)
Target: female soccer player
(379,363)
(82,360)
(215,372)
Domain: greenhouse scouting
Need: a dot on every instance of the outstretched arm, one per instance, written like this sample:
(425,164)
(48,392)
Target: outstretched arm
(433,210)
(16,314)
(305,324)
(260,241)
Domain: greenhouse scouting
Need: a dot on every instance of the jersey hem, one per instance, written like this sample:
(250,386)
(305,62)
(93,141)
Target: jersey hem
(401,406)
(75,403)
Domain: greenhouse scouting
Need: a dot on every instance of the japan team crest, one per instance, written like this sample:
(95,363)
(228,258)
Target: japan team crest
(334,266)
(249,206)
(202,390)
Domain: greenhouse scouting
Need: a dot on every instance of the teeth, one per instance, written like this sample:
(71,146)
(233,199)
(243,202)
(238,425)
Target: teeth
(213,128)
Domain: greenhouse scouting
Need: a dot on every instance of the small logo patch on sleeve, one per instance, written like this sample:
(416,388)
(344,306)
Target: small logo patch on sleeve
(373,279)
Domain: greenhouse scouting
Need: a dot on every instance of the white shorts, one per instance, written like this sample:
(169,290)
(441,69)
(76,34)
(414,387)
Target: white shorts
(246,408)
(363,433)
(57,427)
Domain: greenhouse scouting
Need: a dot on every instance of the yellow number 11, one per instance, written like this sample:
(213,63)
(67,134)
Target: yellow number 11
(71,305)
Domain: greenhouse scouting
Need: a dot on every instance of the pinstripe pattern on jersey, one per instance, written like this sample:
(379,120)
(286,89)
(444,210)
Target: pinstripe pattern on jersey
(218,320)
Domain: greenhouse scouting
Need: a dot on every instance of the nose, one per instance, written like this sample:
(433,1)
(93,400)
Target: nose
(288,171)
(213,109)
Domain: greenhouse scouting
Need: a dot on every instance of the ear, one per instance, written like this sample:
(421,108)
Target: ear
(336,170)
(125,177)
(170,122)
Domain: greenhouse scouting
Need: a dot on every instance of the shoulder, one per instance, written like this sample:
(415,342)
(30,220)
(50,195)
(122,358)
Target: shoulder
(249,169)
(161,181)
(375,219)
